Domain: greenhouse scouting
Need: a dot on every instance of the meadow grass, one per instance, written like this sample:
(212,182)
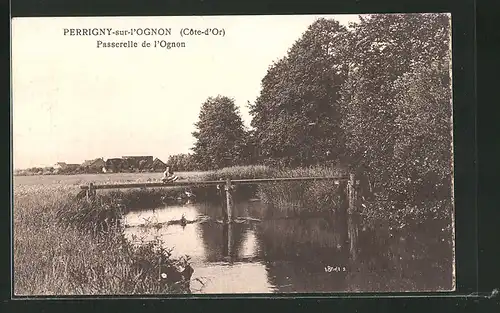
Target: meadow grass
(58,252)
(83,179)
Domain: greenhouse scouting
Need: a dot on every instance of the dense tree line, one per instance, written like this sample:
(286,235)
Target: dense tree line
(395,103)
(374,96)
(296,116)
(49,170)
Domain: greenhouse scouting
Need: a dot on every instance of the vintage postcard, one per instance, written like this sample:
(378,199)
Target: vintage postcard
(267,154)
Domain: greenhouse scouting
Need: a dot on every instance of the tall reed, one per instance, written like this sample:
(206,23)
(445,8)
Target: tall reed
(306,197)
(64,253)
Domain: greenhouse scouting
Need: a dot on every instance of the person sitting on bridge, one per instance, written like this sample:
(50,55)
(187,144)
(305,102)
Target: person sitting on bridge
(168,175)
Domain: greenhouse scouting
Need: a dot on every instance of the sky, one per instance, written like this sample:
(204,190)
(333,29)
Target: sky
(72,101)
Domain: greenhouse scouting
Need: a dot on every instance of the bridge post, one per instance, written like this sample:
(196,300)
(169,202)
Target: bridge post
(229,239)
(353,234)
(352,193)
(90,192)
(229,200)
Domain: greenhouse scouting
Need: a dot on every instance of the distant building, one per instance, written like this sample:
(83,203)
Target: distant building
(138,163)
(93,166)
(115,165)
(68,169)
(157,166)
(145,164)
(65,167)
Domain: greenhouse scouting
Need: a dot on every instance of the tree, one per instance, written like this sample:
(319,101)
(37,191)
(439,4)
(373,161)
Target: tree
(182,162)
(220,134)
(143,164)
(389,57)
(422,160)
(296,116)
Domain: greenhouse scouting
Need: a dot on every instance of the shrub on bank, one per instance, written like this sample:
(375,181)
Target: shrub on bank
(310,198)
(241,172)
(302,198)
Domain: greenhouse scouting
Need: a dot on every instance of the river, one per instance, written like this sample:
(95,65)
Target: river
(330,253)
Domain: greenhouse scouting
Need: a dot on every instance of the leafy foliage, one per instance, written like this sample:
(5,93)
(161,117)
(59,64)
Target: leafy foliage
(296,116)
(423,150)
(374,95)
(396,102)
(220,134)
(182,162)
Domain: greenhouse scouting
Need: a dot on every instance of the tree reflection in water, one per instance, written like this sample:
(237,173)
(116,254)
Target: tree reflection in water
(310,255)
(328,253)
(299,252)
(222,242)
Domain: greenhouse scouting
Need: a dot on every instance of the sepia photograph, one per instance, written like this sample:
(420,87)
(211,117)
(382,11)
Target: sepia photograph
(238,155)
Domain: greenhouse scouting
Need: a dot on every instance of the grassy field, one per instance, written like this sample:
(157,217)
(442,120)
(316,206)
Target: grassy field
(96,178)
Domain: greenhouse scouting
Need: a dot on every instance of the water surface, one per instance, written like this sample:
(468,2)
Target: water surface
(330,253)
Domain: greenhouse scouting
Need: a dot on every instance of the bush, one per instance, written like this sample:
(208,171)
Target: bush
(241,172)
(305,197)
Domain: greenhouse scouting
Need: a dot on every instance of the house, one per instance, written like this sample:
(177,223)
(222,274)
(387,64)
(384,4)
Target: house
(145,164)
(94,166)
(157,166)
(72,167)
(62,167)
(115,165)
(137,163)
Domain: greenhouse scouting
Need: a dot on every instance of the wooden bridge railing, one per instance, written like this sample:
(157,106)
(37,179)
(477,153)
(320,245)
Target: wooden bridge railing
(253,181)
(229,187)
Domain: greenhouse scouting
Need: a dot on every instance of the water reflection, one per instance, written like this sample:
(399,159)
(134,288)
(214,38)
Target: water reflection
(331,253)
(235,278)
(223,242)
(305,255)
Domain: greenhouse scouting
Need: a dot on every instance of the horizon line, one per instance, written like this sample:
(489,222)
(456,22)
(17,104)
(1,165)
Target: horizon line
(104,158)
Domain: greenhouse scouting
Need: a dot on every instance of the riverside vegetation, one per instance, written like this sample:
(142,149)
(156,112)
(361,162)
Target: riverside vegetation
(66,246)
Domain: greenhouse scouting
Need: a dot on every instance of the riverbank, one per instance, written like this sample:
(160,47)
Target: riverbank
(56,256)
(289,199)
(283,199)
